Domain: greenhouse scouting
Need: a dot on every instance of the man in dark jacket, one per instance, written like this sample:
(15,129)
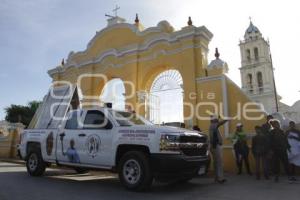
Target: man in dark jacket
(259,151)
(266,130)
(280,146)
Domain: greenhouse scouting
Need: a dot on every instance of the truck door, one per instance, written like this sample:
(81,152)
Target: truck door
(97,145)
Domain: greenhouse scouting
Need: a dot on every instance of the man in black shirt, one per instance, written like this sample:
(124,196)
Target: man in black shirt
(259,151)
(266,129)
(280,146)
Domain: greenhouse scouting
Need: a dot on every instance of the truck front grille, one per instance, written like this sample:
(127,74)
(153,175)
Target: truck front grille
(195,151)
(192,139)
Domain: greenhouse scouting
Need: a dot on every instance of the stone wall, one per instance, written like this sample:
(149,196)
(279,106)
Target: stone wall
(9,139)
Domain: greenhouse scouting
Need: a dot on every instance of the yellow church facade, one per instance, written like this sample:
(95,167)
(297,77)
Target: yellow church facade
(137,56)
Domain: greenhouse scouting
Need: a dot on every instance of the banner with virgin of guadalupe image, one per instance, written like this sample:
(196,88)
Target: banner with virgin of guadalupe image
(294,154)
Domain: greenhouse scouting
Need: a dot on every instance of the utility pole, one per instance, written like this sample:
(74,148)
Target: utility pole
(274,84)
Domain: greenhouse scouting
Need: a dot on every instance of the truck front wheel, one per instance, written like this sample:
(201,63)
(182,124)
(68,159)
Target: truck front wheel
(35,164)
(134,171)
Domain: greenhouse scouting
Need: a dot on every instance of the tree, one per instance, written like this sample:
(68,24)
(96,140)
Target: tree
(20,113)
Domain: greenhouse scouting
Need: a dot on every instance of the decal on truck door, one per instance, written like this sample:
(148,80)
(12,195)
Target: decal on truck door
(93,143)
(71,151)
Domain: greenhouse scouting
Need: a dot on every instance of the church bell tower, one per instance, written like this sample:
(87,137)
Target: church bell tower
(256,69)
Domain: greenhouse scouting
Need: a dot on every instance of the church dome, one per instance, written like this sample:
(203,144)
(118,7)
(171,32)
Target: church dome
(252,29)
(218,63)
(252,32)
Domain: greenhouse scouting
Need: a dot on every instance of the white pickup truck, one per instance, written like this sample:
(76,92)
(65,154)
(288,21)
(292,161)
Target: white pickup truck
(117,141)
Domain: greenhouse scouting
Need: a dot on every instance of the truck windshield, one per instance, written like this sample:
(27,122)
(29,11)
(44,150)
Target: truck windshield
(129,119)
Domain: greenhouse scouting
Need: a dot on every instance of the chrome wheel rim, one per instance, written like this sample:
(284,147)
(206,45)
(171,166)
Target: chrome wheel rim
(132,171)
(32,162)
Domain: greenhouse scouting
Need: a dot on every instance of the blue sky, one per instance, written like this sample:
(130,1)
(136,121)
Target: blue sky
(36,34)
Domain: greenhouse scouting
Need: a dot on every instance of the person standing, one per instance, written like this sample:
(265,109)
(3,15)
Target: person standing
(280,146)
(266,130)
(216,143)
(259,152)
(196,128)
(241,149)
(293,135)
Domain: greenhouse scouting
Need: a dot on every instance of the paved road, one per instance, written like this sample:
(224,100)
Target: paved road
(15,184)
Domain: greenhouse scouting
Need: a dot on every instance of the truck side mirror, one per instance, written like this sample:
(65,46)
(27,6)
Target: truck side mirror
(108,125)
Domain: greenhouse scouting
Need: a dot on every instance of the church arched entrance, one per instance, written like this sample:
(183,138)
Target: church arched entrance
(114,93)
(166,98)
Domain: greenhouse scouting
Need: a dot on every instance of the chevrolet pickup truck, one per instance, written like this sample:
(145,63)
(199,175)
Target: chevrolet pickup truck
(118,141)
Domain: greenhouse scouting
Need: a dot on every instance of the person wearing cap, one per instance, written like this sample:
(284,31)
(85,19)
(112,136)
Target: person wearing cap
(280,147)
(266,130)
(216,143)
(241,149)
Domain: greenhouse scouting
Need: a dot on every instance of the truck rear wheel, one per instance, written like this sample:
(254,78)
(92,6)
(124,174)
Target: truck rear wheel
(134,171)
(35,164)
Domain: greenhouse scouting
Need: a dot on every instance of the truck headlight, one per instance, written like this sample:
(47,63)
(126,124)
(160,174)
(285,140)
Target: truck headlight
(169,142)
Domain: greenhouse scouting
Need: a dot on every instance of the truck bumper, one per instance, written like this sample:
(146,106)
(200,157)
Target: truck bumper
(177,166)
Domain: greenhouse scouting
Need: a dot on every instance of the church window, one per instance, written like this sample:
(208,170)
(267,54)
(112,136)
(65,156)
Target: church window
(248,55)
(260,82)
(249,83)
(256,53)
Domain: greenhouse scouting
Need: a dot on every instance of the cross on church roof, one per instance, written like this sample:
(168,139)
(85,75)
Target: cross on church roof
(116,10)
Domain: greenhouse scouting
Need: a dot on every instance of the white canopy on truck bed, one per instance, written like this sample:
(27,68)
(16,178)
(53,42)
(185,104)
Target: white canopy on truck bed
(54,107)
